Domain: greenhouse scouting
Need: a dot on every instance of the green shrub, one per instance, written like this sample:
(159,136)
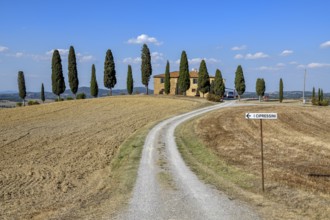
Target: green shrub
(81,96)
(213,97)
(69,98)
(324,102)
(32,102)
(19,104)
(61,100)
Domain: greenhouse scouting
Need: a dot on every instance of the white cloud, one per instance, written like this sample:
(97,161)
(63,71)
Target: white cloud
(85,58)
(38,57)
(243,47)
(132,60)
(64,55)
(239,56)
(143,39)
(314,65)
(63,52)
(19,54)
(280,64)
(156,56)
(197,60)
(211,60)
(286,53)
(258,55)
(3,48)
(267,68)
(325,44)
(318,65)
(293,63)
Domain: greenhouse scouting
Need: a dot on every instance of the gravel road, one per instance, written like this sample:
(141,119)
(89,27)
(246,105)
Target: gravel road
(167,189)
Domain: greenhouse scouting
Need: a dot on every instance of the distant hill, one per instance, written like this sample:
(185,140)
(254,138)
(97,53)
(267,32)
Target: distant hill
(13,96)
(286,94)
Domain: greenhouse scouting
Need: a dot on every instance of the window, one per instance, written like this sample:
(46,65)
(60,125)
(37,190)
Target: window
(193,90)
(162,80)
(194,81)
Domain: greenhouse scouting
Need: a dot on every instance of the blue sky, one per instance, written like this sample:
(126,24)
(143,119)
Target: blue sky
(270,39)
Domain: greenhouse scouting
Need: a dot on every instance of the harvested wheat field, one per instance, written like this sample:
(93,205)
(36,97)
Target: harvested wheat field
(55,159)
(296,152)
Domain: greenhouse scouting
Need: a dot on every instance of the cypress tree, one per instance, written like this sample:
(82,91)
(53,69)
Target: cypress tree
(130,81)
(319,95)
(212,89)
(184,77)
(260,88)
(73,73)
(58,84)
(94,85)
(110,79)
(21,86)
(313,93)
(203,78)
(167,83)
(281,91)
(146,69)
(239,82)
(42,93)
(219,85)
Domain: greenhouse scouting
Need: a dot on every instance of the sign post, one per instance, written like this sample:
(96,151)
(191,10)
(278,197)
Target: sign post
(261,116)
(262,157)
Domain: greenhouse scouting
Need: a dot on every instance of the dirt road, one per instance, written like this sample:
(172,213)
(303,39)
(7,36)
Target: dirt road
(167,189)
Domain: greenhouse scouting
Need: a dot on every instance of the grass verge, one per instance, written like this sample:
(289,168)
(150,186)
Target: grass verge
(205,163)
(124,169)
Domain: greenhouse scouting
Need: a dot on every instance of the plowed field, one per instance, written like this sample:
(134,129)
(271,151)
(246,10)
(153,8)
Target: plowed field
(54,158)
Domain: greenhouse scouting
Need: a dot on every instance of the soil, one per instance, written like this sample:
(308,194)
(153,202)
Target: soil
(54,158)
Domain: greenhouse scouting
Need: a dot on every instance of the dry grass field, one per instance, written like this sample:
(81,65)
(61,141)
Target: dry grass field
(55,159)
(295,146)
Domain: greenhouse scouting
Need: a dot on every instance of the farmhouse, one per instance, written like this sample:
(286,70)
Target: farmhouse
(174,76)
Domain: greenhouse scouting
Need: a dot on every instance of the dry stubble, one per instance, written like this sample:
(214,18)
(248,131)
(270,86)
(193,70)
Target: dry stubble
(295,145)
(54,158)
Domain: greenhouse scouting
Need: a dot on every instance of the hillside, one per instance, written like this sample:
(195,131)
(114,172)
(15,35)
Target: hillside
(55,159)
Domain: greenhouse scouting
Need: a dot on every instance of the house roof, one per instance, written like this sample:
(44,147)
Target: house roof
(175,74)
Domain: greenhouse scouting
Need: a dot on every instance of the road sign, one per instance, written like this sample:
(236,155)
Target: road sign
(261,116)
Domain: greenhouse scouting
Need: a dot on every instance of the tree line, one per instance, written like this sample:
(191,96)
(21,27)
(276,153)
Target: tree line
(109,79)
(215,90)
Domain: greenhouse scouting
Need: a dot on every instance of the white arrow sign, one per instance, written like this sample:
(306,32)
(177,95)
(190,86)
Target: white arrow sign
(261,116)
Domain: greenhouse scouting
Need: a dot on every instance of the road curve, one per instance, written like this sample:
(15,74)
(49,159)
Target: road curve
(167,189)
